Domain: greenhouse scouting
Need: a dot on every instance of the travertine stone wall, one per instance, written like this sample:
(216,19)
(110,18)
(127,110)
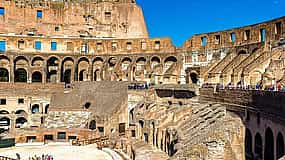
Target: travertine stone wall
(88,18)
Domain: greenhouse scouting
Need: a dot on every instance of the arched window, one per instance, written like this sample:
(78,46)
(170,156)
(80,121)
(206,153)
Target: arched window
(248,144)
(35,108)
(4,75)
(67,76)
(20,75)
(194,78)
(258,145)
(279,146)
(92,125)
(5,123)
(20,122)
(269,145)
(37,77)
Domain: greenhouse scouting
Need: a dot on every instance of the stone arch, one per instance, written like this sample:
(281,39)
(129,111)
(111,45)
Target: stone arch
(194,77)
(169,66)
(67,76)
(4,112)
(20,122)
(4,75)
(3,57)
(83,69)
(126,59)
(97,66)
(258,146)
(248,144)
(67,69)
(170,59)
(46,109)
(155,60)
(21,60)
(37,61)
(255,77)
(35,108)
(37,77)
(126,62)
(269,145)
(242,52)
(20,111)
(5,123)
(279,146)
(21,75)
(52,69)
(92,125)
(112,61)
(141,60)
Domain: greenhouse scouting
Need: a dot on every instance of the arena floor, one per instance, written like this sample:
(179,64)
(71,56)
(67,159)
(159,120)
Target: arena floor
(57,151)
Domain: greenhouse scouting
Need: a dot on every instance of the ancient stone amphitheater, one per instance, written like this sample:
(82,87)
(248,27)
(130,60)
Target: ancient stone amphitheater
(87,72)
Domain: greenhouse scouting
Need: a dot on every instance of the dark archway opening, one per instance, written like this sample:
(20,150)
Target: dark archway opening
(5,123)
(248,145)
(52,76)
(20,122)
(258,146)
(269,145)
(279,146)
(67,76)
(87,105)
(20,75)
(81,75)
(4,75)
(37,77)
(92,125)
(97,75)
(46,109)
(20,112)
(35,108)
(194,78)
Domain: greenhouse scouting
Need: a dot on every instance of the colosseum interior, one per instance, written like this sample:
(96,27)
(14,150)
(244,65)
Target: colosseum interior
(86,72)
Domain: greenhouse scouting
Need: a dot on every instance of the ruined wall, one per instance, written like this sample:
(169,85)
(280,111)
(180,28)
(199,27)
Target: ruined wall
(216,43)
(91,18)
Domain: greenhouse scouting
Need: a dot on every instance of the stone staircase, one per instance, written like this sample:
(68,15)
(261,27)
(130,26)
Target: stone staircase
(204,118)
(228,70)
(238,69)
(234,63)
(224,62)
(262,60)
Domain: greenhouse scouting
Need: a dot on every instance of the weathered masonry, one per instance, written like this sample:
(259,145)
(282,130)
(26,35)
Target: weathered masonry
(87,72)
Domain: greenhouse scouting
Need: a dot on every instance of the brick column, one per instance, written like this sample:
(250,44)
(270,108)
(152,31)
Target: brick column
(11,78)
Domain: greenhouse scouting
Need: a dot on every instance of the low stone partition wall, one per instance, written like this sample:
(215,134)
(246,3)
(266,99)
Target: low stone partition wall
(269,102)
(9,142)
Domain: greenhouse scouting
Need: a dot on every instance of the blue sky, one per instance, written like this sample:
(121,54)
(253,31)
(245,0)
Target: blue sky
(180,19)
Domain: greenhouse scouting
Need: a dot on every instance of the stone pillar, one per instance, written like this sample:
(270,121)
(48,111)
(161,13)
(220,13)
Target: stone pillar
(89,73)
(75,71)
(11,78)
(58,72)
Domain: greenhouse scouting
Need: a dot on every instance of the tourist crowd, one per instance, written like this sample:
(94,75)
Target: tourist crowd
(219,86)
(43,157)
